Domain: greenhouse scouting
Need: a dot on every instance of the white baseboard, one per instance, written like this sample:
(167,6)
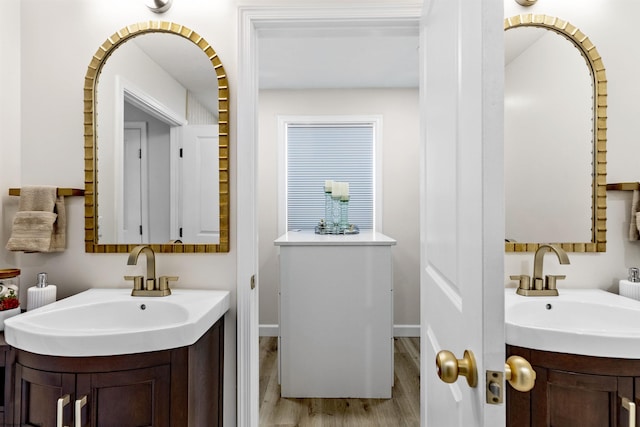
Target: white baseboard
(268,330)
(398,330)
(406,331)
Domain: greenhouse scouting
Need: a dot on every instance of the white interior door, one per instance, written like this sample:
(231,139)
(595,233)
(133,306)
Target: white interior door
(200,184)
(462,222)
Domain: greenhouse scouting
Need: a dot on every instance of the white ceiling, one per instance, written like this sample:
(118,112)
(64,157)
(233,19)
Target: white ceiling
(347,56)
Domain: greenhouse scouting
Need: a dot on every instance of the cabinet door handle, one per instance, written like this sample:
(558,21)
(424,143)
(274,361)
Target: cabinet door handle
(62,402)
(631,407)
(79,405)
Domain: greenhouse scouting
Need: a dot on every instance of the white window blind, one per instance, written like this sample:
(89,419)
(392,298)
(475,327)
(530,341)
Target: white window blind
(338,152)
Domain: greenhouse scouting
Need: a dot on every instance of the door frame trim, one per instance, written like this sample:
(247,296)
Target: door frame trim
(144,182)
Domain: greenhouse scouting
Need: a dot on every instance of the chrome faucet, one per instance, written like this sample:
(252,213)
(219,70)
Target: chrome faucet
(148,287)
(537,286)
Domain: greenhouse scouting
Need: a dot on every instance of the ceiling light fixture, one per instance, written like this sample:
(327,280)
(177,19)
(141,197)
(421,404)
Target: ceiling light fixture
(526,2)
(158,6)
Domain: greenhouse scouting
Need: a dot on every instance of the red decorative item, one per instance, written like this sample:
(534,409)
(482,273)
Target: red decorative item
(9,301)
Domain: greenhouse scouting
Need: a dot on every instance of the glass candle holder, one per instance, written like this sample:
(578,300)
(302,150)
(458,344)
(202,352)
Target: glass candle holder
(335,213)
(344,213)
(328,208)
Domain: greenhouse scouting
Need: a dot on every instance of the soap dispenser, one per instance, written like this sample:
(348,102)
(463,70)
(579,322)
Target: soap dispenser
(41,294)
(631,286)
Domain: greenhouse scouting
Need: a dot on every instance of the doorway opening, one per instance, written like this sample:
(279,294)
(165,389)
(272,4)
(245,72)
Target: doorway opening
(400,19)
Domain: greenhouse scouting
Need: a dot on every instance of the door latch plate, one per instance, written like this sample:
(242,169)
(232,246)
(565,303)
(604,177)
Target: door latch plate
(495,381)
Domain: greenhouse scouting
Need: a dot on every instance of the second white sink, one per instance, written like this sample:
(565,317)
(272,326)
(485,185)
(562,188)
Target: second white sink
(104,322)
(590,322)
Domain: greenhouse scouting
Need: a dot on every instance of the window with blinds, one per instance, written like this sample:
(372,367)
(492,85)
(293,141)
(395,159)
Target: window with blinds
(317,152)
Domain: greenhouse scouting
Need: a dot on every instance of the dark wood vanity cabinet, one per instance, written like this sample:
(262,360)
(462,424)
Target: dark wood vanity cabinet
(5,377)
(135,397)
(169,388)
(574,391)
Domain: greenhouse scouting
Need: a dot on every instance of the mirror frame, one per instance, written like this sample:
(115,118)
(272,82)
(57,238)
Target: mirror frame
(598,241)
(91,146)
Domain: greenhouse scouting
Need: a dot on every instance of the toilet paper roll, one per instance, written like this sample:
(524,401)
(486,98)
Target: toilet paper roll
(629,289)
(37,297)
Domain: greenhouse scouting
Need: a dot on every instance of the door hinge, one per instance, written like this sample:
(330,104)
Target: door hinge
(495,381)
(180,231)
(140,229)
(140,153)
(253,281)
(181,153)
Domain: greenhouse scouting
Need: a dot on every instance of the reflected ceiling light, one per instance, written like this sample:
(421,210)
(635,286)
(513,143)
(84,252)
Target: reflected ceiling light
(158,6)
(526,2)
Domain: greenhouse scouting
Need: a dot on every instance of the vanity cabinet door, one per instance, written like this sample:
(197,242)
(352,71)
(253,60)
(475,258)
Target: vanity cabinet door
(6,384)
(636,400)
(36,397)
(131,398)
(573,391)
(571,399)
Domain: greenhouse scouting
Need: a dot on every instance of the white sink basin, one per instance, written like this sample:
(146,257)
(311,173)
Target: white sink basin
(580,321)
(104,322)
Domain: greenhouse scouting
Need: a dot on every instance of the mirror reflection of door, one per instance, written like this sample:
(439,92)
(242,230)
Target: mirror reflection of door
(169,189)
(200,190)
(134,204)
(155,174)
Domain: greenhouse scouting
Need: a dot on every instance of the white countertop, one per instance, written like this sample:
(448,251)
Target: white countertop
(310,238)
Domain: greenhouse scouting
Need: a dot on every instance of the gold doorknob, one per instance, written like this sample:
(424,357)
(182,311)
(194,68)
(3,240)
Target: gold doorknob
(519,373)
(449,368)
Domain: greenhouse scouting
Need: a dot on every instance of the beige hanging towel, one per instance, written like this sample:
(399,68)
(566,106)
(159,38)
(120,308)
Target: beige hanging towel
(40,223)
(633,225)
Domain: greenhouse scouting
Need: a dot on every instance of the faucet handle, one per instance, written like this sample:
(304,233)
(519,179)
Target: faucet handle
(524,281)
(164,281)
(551,280)
(137,281)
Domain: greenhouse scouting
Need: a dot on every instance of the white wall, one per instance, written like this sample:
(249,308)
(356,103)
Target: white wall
(9,120)
(42,137)
(611,26)
(400,186)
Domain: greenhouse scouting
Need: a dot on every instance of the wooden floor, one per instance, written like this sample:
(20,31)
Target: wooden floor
(400,411)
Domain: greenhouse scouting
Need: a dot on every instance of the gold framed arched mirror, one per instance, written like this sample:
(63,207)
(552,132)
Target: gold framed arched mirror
(555,137)
(156,151)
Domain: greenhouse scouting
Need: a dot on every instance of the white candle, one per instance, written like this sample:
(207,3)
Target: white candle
(336,189)
(328,185)
(344,195)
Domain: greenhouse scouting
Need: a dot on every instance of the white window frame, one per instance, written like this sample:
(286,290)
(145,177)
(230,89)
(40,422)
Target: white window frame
(285,120)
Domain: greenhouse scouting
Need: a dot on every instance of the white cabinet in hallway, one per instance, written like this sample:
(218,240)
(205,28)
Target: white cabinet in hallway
(336,315)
